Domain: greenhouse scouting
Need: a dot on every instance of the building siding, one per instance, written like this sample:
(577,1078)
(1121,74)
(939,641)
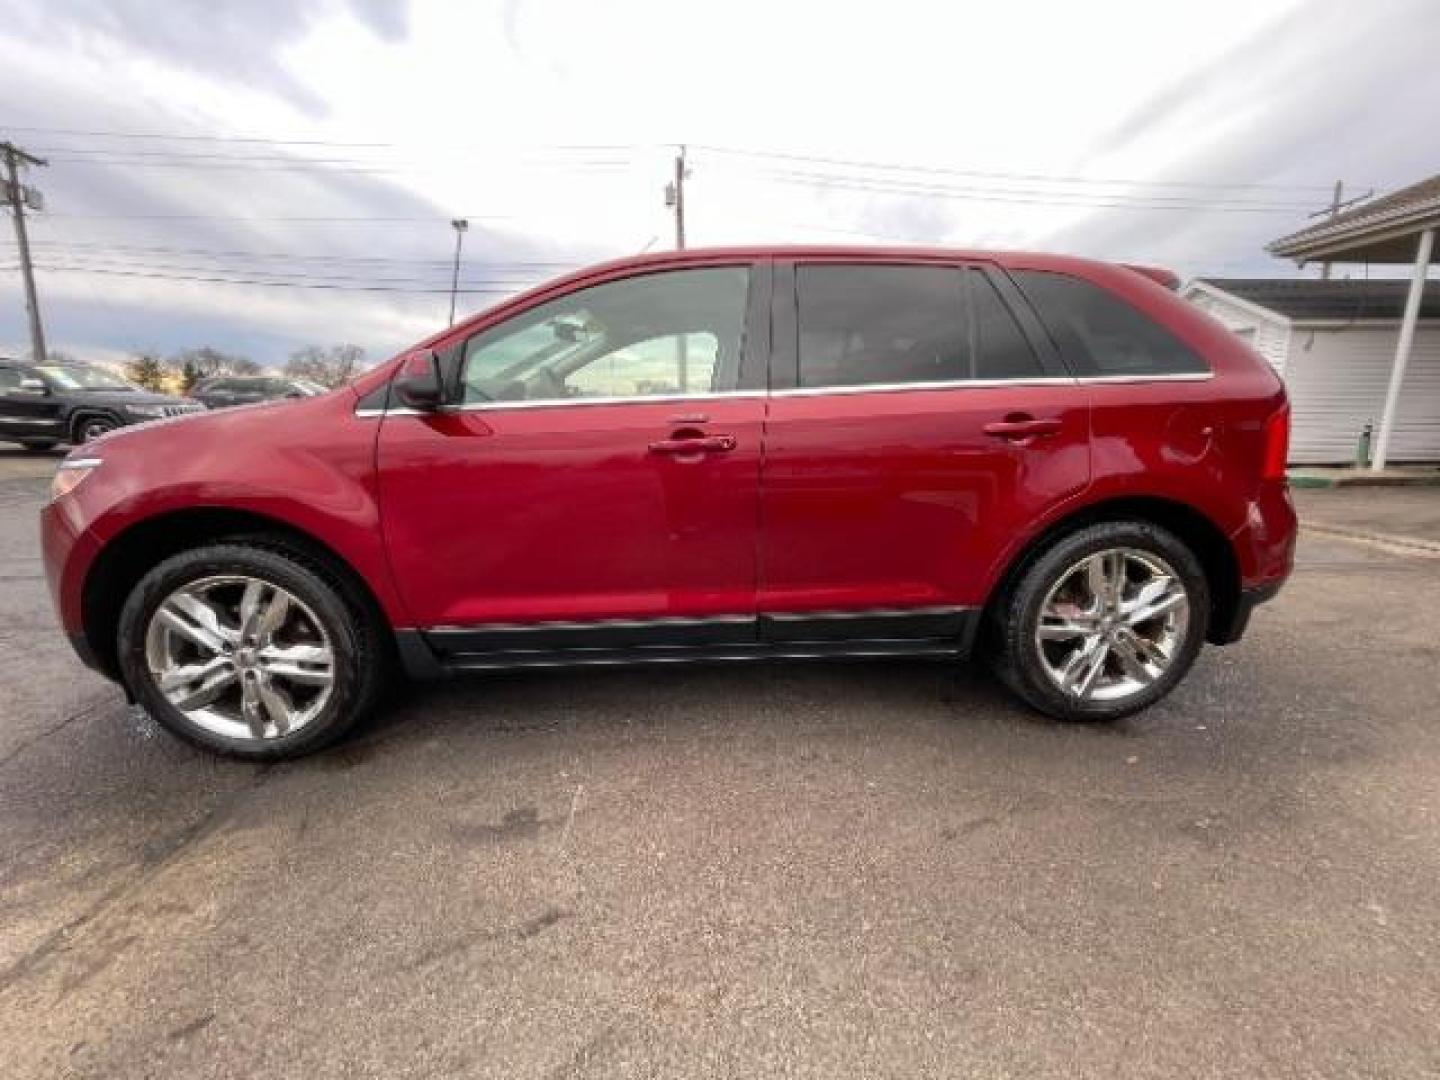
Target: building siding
(1337,378)
(1268,337)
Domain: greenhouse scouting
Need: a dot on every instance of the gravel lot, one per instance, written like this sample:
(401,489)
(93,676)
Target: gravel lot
(835,870)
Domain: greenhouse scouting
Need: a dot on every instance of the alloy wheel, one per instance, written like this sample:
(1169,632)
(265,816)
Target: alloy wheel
(240,657)
(1112,625)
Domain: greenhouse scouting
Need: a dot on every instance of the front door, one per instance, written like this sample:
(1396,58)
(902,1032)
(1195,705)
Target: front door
(595,482)
(29,410)
(916,427)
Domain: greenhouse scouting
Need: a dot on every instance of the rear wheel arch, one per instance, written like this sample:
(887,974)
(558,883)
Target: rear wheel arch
(1187,524)
(129,555)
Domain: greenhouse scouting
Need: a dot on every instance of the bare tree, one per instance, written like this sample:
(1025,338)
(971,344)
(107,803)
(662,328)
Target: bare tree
(331,365)
(207,361)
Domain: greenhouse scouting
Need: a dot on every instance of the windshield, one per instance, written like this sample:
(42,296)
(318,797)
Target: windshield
(81,377)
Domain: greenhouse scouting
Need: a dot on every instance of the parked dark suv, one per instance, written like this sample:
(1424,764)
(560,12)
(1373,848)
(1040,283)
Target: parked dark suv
(225,390)
(45,404)
(724,455)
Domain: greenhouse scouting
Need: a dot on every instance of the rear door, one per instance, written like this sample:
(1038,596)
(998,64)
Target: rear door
(919,420)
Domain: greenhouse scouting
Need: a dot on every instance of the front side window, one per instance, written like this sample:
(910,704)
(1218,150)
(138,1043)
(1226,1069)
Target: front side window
(83,377)
(896,325)
(1100,333)
(672,333)
(9,380)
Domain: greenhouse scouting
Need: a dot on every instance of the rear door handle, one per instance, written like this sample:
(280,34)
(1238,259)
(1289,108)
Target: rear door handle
(1026,428)
(700,444)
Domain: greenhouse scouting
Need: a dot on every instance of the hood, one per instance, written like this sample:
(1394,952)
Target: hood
(203,429)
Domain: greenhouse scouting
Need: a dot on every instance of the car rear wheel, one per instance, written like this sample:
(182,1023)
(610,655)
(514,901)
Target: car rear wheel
(250,651)
(1104,622)
(39,446)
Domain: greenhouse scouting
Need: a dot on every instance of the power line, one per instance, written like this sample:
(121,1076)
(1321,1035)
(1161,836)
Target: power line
(326,257)
(1031,198)
(269,141)
(271,284)
(853,163)
(1036,177)
(286,220)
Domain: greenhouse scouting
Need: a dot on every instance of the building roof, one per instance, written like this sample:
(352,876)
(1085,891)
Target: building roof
(1309,299)
(1383,230)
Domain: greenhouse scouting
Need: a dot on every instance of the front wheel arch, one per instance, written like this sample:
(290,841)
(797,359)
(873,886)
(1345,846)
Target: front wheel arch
(1194,529)
(128,556)
(79,419)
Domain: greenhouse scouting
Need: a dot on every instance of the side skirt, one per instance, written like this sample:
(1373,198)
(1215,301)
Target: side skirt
(941,633)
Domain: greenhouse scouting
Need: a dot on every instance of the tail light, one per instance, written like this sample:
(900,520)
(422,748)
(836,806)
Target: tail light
(1277,445)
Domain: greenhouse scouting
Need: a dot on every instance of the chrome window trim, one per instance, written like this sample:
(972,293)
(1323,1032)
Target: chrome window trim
(30,420)
(1182,376)
(806,391)
(562,403)
(948,384)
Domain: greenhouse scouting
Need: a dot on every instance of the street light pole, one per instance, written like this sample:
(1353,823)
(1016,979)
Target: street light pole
(459,225)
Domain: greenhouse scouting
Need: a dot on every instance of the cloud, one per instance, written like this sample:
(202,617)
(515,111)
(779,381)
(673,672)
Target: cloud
(402,117)
(240,42)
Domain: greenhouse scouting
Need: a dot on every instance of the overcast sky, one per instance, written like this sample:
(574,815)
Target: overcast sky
(322,146)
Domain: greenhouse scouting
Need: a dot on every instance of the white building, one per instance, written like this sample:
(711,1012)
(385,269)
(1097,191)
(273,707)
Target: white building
(1333,342)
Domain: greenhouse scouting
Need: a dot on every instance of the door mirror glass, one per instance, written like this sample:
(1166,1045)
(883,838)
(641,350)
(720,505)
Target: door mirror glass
(420,385)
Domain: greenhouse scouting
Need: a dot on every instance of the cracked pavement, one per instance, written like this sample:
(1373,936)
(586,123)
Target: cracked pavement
(885,869)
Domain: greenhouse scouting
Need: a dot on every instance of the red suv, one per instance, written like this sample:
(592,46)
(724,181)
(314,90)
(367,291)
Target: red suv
(709,455)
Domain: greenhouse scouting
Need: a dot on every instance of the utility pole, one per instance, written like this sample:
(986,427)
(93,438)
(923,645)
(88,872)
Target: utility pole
(1335,202)
(1338,202)
(459,225)
(675,197)
(19,197)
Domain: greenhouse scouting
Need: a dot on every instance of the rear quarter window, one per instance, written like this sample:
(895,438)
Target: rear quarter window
(1101,334)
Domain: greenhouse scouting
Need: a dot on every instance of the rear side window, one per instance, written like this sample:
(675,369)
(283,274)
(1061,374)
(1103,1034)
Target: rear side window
(897,325)
(1100,333)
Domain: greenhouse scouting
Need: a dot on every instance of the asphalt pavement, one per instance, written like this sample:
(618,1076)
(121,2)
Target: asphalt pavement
(882,869)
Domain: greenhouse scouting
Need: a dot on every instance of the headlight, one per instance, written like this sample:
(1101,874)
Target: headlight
(147,410)
(71,472)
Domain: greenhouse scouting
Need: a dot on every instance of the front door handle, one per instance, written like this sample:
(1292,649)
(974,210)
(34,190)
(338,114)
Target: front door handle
(1022,427)
(696,444)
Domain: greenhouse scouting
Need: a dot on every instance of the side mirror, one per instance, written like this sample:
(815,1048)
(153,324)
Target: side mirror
(420,385)
(34,386)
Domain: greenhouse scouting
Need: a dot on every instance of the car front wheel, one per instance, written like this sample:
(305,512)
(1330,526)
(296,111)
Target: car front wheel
(250,651)
(93,427)
(1104,622)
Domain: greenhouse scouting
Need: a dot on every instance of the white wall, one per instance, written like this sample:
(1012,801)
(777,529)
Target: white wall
(1267,336)
(1337,380)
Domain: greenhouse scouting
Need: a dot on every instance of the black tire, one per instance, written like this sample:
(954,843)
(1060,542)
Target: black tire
(40,446)
(88,428)
(361,658)
(1015,653)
